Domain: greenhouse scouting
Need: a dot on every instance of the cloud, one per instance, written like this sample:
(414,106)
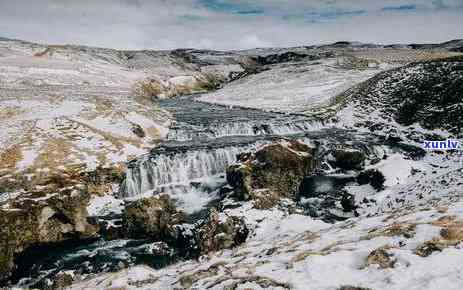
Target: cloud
(227,24)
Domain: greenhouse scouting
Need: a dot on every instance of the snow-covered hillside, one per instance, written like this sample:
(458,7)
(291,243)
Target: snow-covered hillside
(416,245)
(291,87)
(218,195)
(406,235)
(64,108)
(314,76)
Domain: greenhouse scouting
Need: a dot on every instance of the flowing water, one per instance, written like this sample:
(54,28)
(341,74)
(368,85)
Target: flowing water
(190,166)
(205,139)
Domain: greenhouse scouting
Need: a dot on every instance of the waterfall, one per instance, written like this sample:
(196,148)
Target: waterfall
(169,171)
(204,140)
(217,130)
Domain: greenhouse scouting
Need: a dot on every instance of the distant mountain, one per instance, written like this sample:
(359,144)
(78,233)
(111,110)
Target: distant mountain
(455,45)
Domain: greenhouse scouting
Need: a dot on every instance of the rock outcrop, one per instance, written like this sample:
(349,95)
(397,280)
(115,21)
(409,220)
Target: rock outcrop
(373,177)
(349,159)
(153,218)
(273,172)
(381,258)
(40,218)
(219,233)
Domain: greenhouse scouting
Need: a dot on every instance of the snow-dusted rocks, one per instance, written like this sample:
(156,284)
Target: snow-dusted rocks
(297,252)
(386,228)
(153,218)
(42,217)
(417,99)
(273,172)
(219,232)
(63,106)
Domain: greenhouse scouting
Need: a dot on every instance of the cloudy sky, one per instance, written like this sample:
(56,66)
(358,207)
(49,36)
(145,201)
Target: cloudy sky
(227,24)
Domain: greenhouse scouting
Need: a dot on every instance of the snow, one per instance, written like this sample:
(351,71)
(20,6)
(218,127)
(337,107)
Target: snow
(334,256)
(28,157)
(289,89)
(81,106)
(104,205)
(396,169)
(71,100)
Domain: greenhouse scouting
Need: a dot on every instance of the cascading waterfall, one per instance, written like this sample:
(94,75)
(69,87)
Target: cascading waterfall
(166,171)
(297,127)
(218,130)
(204,140)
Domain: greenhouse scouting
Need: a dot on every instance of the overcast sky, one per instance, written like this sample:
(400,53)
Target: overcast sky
(227,24)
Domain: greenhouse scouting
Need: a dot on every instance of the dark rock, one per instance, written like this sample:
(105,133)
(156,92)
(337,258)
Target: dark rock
(138,130)
(101,180)
(349,159)
(152,218)
(109,230)
(184,240)
(284,57)
(278,168)
(373,177)
(412,152)
(348,202)
(428,248)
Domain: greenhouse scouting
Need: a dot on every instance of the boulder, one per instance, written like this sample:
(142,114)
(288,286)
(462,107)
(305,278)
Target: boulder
(60,281)
(275,171)
(220,232)
(348,202)
(381,258)
(349,159)
(37,218)
(373,177)
(153,217)
(138,130)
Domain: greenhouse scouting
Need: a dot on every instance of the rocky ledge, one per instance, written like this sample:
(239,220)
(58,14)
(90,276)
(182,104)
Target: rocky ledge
(50,213)
(273,172)
(33,220)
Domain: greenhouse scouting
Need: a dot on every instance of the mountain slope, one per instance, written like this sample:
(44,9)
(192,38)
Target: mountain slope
(407,235)
(426,95)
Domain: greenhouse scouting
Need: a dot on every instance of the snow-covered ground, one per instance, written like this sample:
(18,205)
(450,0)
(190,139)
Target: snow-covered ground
(58,112)
(292,87)
(297,252)
(64,107)
(408,235)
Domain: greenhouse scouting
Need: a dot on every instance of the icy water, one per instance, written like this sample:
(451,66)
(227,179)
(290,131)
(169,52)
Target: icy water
(204,140)
(190,166)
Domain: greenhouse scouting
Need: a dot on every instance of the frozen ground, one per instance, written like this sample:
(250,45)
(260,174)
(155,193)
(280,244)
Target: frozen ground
(84,120)
(290,251)
(67,107)
(303,86)
(408,235)
(291,87)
